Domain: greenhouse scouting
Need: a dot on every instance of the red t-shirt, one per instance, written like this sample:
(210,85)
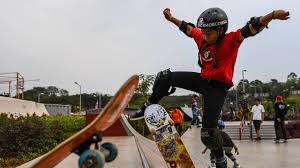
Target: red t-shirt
(226,56)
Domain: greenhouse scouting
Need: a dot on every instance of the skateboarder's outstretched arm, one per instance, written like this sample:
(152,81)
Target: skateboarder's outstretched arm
(257,24)
(183,26)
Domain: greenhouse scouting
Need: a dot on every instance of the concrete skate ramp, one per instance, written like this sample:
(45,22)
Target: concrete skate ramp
(148,147)
(18,107)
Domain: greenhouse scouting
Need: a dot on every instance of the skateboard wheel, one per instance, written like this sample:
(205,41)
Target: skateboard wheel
(91,159)
(171,122)
(111,151)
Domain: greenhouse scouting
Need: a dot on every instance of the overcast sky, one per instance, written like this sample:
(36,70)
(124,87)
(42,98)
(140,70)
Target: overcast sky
(100,43)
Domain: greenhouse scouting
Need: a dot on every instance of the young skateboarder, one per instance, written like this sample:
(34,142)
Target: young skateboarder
(228,145)
(216,56)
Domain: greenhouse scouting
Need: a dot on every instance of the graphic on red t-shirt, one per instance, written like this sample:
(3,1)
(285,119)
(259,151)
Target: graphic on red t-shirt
(226,56)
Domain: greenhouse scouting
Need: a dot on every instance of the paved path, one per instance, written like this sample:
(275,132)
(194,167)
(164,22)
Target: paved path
(263,154)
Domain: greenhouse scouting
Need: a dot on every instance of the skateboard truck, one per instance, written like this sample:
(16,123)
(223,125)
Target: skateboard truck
(105,152)
(94,139)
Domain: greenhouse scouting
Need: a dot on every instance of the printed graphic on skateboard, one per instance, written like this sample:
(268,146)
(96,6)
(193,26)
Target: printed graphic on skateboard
(167,139)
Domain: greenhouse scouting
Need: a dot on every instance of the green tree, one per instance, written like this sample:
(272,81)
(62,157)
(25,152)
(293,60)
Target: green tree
(146,81)
(294,102)
(141,95)
(63,92)
(52,90)
(292,76)
(269,109)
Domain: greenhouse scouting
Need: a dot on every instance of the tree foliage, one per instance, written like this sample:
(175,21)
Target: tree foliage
(256,88)
(145,82)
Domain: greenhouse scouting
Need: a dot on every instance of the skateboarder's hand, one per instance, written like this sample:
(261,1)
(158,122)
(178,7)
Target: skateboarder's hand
(278,119)
(236,151)
(281,14)
(167,13)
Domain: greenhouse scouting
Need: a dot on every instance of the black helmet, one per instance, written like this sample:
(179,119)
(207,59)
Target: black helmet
(213,18)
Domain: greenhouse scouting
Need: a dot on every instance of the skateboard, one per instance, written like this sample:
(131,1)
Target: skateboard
(81,142)
(167,139)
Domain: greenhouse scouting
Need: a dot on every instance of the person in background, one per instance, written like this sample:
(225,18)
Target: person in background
(244,107)
(280,109)
(177,116)
(258,117)
(195,110)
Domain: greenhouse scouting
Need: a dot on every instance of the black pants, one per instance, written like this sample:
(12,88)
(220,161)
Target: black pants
(280,126)
(214,94)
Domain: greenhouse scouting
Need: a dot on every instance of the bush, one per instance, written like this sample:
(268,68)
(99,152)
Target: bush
(25,138)
(63,127)
(269,108)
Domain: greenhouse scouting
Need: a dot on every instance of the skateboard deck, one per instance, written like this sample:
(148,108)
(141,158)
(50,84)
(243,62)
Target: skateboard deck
(80,142)
(167,139)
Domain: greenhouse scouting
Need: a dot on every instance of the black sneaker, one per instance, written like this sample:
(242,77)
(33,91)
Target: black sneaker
(140,113)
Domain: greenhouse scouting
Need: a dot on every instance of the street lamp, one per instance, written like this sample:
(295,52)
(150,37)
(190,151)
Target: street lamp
(254,86)
(39,96)
(79,96)
(243,79)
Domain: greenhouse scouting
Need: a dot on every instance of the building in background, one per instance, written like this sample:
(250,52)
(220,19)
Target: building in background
(54,109)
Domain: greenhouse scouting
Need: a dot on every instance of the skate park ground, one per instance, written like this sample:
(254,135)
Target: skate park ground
(136,151)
